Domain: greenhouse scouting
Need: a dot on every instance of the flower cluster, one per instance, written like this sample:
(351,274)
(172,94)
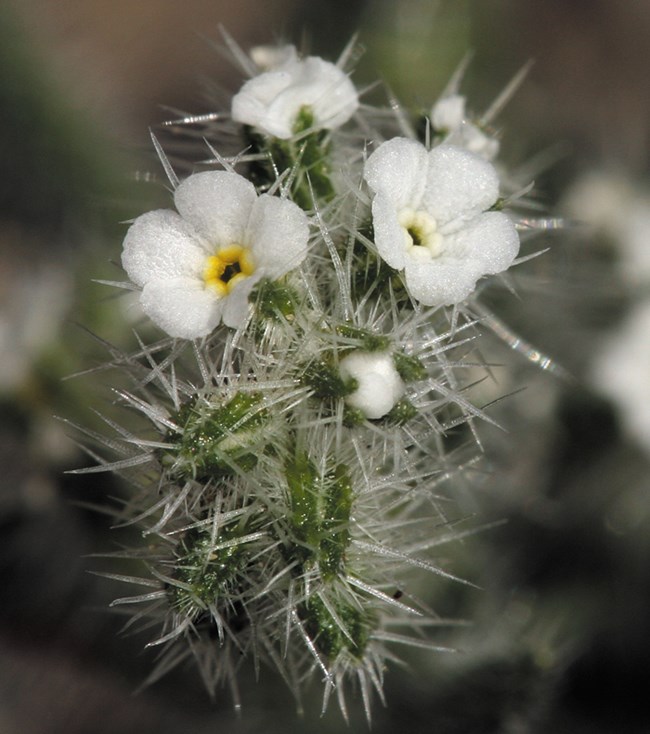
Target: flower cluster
(319,303)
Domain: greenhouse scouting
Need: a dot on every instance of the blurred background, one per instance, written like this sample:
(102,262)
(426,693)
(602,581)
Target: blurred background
(560,638)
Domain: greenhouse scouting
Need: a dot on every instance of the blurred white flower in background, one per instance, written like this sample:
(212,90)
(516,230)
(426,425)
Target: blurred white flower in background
(32,308)
(622,372)
(618,208)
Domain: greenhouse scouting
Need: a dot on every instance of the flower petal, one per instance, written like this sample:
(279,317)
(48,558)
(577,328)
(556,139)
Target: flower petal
(491,240)
(160,244)
(459,186)
(328,91)
(182,307)
(398,169)
(235,305)
(389,233)
(250,105)
(218,204)
(441,282)
(277,231)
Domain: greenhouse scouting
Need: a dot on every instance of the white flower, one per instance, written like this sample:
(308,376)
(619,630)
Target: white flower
(273,100)
(448,116)
(198,267)
(380,386)
(430,219)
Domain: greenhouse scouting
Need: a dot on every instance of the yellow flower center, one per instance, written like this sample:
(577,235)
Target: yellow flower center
(228,267)
(421,237)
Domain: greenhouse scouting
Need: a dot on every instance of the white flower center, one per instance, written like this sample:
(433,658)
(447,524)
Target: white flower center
(229,266)
(421,237)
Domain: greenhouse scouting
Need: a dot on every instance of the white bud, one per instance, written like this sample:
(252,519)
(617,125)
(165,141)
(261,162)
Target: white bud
(448,113)
(380,386)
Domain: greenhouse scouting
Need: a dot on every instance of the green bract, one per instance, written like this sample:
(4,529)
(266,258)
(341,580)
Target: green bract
(218,439)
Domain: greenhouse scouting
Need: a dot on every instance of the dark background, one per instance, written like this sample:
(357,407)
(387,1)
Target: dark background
(560,640)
